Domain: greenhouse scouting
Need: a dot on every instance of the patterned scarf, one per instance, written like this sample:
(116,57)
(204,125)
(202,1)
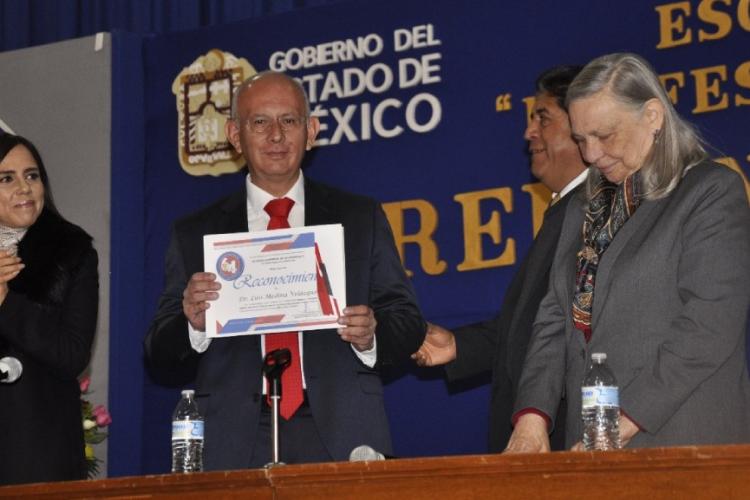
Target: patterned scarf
(610,206)
(10,237)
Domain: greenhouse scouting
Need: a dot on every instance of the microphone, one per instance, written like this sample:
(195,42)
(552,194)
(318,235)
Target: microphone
(364,453)
(274,364)
(10,370)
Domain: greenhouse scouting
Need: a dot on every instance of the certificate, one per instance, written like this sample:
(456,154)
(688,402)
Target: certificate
(279,280)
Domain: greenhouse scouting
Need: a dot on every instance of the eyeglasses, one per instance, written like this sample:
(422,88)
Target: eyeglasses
(260,124)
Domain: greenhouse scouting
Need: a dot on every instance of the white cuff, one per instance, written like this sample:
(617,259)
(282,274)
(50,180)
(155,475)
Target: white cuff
(198,339)
(368,357)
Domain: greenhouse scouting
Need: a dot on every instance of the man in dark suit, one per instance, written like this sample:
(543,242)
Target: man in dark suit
(500,343)
(342,403)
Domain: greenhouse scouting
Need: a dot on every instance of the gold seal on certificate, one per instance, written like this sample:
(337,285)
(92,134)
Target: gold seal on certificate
(279,280)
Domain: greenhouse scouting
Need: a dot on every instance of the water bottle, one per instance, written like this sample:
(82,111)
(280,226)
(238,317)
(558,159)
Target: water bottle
(600,406)
(187,435)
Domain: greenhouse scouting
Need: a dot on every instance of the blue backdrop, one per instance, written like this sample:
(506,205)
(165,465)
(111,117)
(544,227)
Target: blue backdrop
(445,149)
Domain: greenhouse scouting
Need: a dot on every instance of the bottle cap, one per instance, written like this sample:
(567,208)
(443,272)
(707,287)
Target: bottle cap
(598,357)
(187,393)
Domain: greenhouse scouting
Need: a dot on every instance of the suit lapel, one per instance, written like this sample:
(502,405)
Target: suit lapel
(571,240)
(537,268)
(318,208)
(604,275)
(235,214)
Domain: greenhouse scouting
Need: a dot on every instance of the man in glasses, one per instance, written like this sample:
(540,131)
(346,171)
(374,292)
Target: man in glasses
(499,344)
(340,403)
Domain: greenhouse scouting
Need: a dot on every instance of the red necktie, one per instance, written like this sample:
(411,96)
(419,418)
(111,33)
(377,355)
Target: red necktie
(291,379)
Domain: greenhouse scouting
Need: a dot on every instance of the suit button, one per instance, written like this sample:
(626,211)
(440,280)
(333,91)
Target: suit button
(256,397)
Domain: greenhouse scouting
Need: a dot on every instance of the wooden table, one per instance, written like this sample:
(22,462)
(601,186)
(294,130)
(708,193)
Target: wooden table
(711,472)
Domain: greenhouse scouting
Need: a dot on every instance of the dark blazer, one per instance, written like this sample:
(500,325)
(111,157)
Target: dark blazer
(47,322)
(670,311)
(345,396)
(500,343)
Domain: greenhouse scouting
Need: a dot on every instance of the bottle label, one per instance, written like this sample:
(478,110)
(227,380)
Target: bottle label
(600,395)
(187,429)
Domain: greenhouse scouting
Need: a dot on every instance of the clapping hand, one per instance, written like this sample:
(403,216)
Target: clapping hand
(10,266)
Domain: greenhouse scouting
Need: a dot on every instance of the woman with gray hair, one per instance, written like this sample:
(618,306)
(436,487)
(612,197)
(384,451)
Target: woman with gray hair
(652,268)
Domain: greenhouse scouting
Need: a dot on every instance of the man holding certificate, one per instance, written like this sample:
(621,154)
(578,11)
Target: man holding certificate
(332,399)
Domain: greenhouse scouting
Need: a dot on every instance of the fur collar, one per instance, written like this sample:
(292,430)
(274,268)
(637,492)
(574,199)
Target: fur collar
(52,250)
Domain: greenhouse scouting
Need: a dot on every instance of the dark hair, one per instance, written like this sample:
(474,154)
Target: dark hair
(555,81)
(10,141)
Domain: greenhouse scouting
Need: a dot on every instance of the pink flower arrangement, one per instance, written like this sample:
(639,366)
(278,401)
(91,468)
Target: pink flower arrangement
(103,418)
(93,419)
(84,384)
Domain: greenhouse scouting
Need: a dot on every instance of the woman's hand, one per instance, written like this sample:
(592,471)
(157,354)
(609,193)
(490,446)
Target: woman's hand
(628,429)
(10,266)
(529,435)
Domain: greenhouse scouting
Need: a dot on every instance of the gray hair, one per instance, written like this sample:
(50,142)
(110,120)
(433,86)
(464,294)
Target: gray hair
(250,81)
(632,81)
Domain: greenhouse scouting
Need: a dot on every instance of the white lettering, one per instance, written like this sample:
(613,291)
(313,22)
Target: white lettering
(387,78)
(350,75)
(321,113)
(422,114)
(334,52)
(377,119)
(417,37)
(312,85)
(411,113)
(342,124)
(331,86)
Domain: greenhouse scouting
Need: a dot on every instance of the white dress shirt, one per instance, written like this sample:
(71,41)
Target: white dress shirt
(571,185)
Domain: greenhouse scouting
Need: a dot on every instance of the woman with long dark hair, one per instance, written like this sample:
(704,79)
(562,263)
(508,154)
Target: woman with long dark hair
(49,293)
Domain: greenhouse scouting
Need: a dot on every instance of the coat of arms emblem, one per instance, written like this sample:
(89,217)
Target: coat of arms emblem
(204,98)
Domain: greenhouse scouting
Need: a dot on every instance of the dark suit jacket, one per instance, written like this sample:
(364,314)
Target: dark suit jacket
(47,322)
(345,396)
(500,344)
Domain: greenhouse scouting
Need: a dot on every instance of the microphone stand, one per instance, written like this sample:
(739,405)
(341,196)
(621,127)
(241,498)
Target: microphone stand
(274,365)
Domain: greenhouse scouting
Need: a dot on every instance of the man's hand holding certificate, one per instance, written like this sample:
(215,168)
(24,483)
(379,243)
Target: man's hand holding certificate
(276,281)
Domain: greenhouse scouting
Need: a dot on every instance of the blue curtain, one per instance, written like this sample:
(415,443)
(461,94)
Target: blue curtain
(25,23)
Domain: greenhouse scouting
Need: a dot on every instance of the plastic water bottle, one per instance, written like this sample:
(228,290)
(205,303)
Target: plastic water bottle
(187,435)
(600,406)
